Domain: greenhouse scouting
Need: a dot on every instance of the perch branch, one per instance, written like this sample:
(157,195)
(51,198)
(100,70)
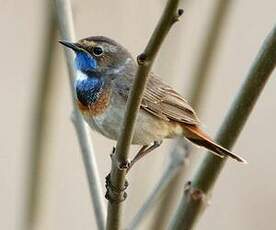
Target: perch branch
(117,182)
(65,23)
(197,190)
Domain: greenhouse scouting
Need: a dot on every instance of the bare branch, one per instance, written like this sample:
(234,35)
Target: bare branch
(207,55)
(116,187)
(179,159)
(65,22)
(194,199)
(200,81)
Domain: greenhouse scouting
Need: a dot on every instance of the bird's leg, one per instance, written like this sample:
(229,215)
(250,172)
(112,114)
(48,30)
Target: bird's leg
(144,151)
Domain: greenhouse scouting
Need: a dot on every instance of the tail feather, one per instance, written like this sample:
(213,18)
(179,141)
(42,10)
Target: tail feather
(196,136)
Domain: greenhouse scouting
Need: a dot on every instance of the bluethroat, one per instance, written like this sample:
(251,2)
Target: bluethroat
(105,75)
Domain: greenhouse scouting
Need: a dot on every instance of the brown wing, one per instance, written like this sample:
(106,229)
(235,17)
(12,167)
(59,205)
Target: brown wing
(161,100)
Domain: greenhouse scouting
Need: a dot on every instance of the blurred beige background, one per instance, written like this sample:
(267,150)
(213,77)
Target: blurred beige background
(244,197)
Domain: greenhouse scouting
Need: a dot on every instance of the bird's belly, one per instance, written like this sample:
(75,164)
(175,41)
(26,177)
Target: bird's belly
(148,128)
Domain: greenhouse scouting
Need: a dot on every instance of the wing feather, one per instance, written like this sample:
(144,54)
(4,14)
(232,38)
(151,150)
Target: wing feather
(161,100)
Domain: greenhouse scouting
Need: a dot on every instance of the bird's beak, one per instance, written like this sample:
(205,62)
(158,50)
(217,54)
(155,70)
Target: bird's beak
(70,45)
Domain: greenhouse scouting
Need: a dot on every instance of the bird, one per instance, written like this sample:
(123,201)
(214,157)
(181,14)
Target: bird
(105,75)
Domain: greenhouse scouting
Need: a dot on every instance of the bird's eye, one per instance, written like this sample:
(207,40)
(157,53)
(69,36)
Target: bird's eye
(97,51)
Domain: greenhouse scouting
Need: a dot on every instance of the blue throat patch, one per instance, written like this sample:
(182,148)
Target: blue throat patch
(85,62)
(89,90)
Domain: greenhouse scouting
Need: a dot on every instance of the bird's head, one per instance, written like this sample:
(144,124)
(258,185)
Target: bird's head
(100,55)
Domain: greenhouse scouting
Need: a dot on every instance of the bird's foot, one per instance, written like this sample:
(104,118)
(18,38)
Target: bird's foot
(144,151)
(114,194)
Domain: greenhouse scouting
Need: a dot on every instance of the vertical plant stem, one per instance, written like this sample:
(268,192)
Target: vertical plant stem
(66,28)
(116,185)
(167,204)
(196,193)
(178,160)
(199,87)
(202,70)
(39,121)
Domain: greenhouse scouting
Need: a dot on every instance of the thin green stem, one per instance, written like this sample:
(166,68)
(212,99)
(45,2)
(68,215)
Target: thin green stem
(201,75)
(196,193)
(179,159)
(120,157)
(66,28)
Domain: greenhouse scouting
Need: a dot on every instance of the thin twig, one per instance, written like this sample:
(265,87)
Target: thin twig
(115,190)
(178,159)
(200,82)
(39,124)
(196,193)
(201,74)
(65,22)
(167,203)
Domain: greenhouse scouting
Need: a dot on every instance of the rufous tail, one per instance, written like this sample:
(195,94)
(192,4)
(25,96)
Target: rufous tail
(198,137)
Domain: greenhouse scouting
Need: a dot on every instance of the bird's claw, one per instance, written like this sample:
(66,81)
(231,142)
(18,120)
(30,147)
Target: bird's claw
(112,191)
